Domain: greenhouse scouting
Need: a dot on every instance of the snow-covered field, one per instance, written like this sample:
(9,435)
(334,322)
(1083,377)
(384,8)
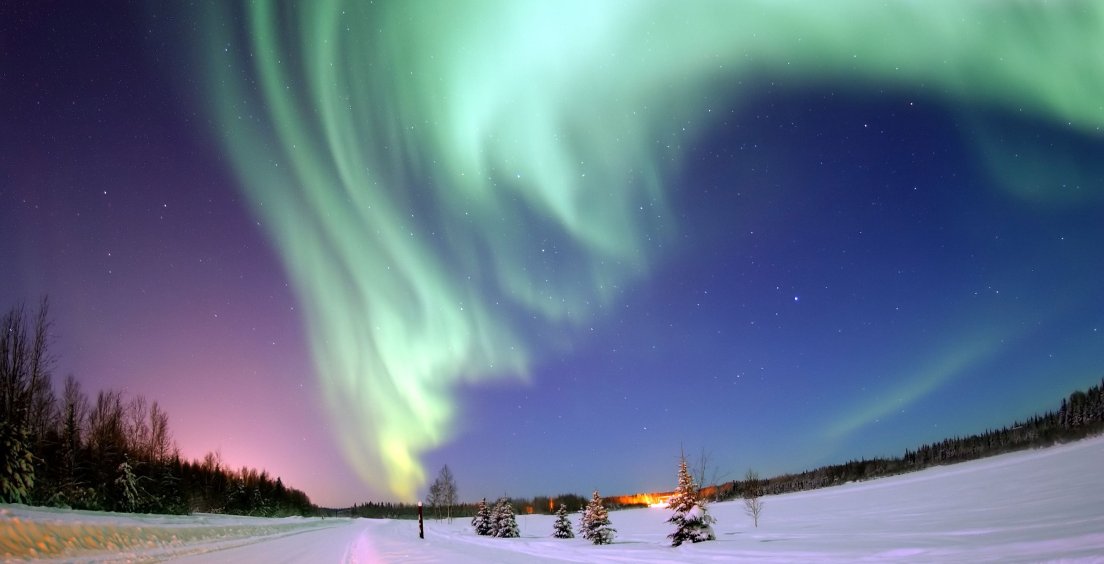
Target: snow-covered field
(1023,507)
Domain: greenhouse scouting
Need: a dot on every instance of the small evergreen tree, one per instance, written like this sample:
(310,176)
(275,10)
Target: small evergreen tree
(562,528)
(691,520)
(133,497)
(595,525)
(482,521)
(257,503)
(505,525)
(16,464)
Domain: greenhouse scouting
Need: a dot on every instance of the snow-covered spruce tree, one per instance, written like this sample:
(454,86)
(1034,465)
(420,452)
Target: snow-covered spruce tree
(562,528)
(505,525)
(584,522)
(133,496)
(482,521)
(16,463)
(595,525)
(691,520)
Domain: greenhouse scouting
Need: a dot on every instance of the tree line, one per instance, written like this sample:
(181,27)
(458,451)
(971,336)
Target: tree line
(109,452)
(540,505)
(1078,416)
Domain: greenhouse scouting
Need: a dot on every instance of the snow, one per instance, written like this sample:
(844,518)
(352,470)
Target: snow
(694,514)
(1023,507)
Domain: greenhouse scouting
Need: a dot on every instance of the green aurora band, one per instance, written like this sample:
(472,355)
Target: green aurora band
(454,186)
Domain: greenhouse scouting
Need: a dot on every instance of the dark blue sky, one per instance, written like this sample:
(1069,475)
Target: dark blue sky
(848,269)
(853,283)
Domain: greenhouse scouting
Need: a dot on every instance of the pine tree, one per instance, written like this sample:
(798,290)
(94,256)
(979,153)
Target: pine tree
(504,523)
(692,522)
(482,521)
(133,496)
(595,525)
(16,464)
(257,503)
(562,528)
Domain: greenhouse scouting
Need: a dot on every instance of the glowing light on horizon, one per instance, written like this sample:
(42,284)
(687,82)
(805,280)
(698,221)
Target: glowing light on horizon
(454,186)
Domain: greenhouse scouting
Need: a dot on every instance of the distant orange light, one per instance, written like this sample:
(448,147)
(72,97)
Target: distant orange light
(651,500)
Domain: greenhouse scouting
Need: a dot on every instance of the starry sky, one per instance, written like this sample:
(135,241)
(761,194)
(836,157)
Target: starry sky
(552,244)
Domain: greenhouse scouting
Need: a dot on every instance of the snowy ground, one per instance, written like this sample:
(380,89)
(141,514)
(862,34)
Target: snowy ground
(1023,507)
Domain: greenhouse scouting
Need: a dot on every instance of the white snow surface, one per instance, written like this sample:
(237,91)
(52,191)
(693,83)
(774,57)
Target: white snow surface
(1040,505)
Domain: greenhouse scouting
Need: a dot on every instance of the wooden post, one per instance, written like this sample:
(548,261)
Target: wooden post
(421,530)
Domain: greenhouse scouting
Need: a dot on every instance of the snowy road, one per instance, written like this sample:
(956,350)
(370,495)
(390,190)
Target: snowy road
(364,541)
(1033,506)
(330,544)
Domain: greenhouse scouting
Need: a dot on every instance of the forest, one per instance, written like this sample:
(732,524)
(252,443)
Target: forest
(1078,416)
(543,505)
(107,452)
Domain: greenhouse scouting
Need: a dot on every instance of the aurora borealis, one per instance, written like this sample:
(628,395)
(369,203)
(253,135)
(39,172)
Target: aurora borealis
(787,232)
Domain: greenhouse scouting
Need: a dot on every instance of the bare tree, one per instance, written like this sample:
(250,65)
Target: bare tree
(137,428)
(40,391)
(73,417)
(13,367)
(433,498)
(160,438)
(74,406)
(26,394)
(753,505)
(442,492)
(707,474)
(212,461)
(106,426)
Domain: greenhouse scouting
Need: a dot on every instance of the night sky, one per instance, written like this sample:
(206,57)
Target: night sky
(552,244)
